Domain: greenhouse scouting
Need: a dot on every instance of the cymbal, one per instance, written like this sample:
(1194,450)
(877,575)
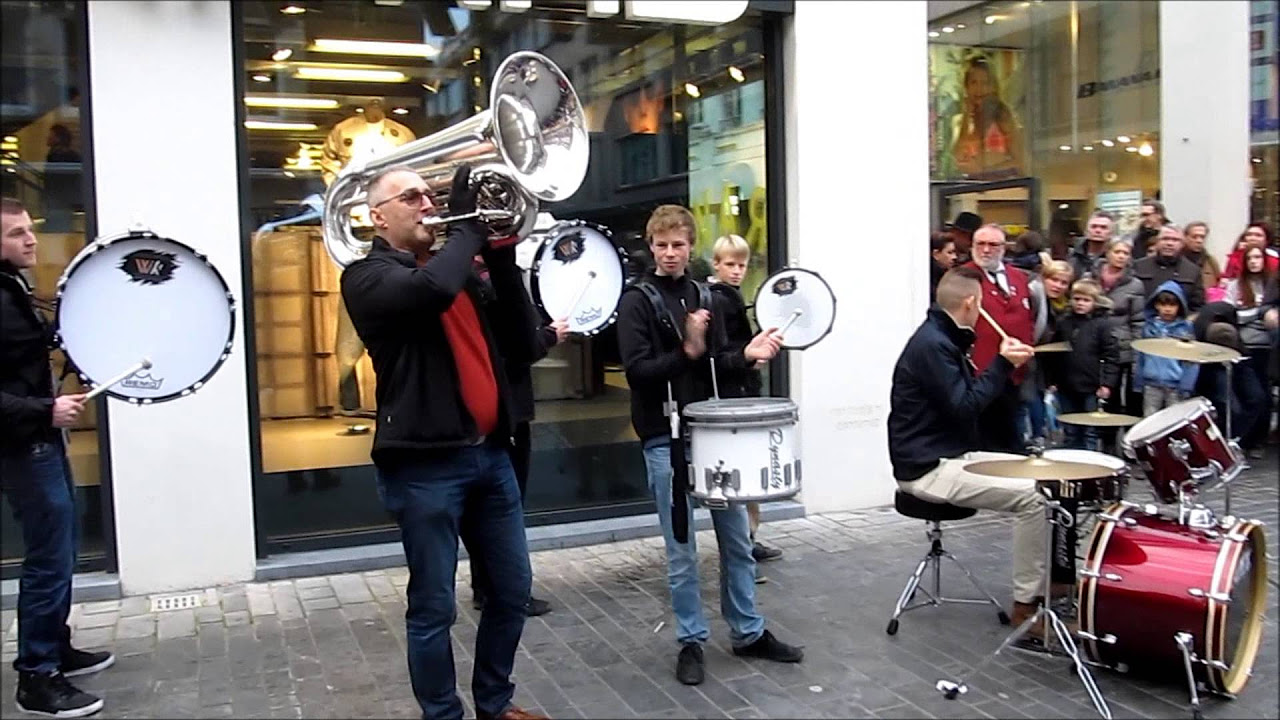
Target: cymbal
(1037,468)
(1188,350)
(1062,346)
(1099,418)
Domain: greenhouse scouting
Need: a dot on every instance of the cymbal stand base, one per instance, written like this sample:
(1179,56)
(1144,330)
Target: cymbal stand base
(1183,641)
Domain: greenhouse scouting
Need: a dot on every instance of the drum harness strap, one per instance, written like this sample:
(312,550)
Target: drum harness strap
(679,459)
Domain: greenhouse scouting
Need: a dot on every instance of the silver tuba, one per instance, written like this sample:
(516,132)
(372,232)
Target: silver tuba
(530,146)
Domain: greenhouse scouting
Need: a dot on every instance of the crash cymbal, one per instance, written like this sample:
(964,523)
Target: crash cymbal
(1062,346)
(1188,350)
(1037,468)
(1099,418)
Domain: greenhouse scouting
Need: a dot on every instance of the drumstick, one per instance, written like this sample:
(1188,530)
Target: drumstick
(143,364)
(795,315)
(1003,335)
(591,275)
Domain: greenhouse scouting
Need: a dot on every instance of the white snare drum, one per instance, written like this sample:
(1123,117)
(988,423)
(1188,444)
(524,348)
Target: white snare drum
(1109,486)
(578,274)
(743,450)
(137,296)
(799,303)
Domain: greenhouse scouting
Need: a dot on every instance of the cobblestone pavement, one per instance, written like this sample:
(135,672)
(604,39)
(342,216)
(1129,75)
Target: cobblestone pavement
(333,647)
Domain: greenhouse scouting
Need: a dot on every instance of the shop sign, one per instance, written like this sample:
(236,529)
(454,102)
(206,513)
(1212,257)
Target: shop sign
(695,12)
(1090,89)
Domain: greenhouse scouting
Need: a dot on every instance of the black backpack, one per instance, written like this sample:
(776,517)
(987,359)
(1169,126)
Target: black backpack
(663,313)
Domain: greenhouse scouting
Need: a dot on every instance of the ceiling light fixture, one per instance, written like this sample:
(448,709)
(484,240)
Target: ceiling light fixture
(296,103)
(350,74)
(278,125)
(1108,143)
(736,74)
(1064,148)
(1131,149)
(948,29)
(692,90)
(1124,138)
(934,34)
(282,54)
(1087,148)
(1145,149)
(292,10)
(262,78)
(400,111)
(374,47)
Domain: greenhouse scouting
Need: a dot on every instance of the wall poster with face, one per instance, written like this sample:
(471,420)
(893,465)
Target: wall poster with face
(977,113)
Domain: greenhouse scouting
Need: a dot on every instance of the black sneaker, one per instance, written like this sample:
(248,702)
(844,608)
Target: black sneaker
(54,696)
(477,601)
(764,553)
(689,666)
(536,607)
(83,662)
(771,648)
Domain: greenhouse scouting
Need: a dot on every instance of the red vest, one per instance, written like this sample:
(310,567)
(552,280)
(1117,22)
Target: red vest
(1012,311)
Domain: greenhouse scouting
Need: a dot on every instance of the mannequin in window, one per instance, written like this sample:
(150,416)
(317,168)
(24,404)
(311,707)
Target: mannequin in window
(365,136)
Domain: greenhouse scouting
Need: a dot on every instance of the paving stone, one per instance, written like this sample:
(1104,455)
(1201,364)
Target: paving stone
(136,627)
(135,605)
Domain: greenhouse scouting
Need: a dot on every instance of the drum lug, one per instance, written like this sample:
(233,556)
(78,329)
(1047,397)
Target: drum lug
(1223,598)
(1108,638)
(1105,576)
(1236,537)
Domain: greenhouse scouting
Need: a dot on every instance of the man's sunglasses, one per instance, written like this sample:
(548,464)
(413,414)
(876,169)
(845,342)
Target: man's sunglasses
(410,197)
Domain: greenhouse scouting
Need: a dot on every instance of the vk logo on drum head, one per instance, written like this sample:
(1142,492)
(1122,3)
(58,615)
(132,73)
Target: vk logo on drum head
(569,247)
(785,286)
(149,267)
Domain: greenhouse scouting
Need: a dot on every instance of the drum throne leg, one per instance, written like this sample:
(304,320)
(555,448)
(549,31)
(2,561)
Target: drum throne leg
(932,561)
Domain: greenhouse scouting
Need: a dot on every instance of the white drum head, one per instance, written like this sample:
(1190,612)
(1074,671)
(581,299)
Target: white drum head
(1088,457)
(142,296)
(793,289)
(578,274)
(1160,423)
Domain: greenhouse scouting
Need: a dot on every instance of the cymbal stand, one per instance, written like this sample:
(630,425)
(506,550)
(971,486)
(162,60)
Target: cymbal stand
(1231,390)
(1054,515)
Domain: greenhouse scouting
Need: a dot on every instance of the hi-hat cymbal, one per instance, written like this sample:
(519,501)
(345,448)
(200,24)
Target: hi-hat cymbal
(1188,350)
(1099,418)
(1062,346)
(1037,468)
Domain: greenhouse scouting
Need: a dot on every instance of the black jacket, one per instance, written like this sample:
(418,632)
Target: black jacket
(1094,360)
(396,306)
(653,356)
(727,304)
(1155,270)
(26,380)
(936,399)
(520,375)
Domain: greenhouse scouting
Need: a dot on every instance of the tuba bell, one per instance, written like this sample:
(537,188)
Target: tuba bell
(529,147)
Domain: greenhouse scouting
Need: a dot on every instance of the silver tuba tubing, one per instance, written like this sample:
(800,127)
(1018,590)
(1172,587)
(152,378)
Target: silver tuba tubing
(529,147)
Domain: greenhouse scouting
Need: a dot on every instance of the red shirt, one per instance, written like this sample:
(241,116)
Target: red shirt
(1012,312)
(471,358)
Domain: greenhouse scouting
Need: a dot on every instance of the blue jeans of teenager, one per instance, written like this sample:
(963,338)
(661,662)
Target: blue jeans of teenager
(737,566)
(1079,437)
(469,493)
(40,491)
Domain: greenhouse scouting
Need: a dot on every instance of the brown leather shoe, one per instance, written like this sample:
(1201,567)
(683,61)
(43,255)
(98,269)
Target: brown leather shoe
(514,713)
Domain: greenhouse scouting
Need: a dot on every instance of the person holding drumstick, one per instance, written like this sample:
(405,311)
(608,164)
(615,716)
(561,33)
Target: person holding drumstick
(665,350)
(36,477)
(439,344)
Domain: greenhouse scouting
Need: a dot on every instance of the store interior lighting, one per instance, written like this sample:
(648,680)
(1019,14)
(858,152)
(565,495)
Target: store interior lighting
(262,78)
(292,10)
(1108,143)
(278,125)
(293,103)
(692,90)
(1131,149)
(1124,138)
(282,54)
(1145,149)
(349,74)
(736,74)
(1087,148)
(374,47)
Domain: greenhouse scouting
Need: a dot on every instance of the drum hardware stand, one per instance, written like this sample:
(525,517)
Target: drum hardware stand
(1184,639)
(1054,515)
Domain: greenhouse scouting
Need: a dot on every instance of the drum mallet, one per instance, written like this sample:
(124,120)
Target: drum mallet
(143,364)
(591,275)
(1003,335)
(795,315)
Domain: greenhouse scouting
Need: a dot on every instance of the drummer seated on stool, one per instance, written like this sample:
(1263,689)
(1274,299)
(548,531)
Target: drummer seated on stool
(659,362)
(933,429)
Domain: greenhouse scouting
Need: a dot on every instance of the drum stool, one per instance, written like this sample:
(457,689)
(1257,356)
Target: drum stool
(935,514)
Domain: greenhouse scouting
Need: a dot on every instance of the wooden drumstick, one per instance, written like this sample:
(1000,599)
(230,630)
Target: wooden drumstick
(143,364)
(1003,335)
(591,275)
(795,315)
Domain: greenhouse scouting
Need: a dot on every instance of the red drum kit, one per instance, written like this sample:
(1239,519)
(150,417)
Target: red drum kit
(1168,588)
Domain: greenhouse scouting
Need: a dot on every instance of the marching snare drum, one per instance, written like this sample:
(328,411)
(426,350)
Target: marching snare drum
(1107,487)
(137,296)
(743,450)
(798,302)
(1148,578)
(578,274)
(1180,439)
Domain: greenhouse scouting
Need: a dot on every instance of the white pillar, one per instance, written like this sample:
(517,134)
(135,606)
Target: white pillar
(164,144)
(858,214)
(1204,116)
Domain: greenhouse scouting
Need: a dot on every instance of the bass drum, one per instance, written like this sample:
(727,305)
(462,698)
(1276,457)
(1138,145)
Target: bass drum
(1147,578)
(578,274)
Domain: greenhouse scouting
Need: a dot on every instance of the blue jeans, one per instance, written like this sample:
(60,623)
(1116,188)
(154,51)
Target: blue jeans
(737,566)
(1079,437)
(38,484)
(469,493)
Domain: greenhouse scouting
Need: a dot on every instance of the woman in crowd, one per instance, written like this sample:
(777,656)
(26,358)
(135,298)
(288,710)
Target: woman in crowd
(1257,235)
(1211,275)
(1128,297)
(1248,294)
(942,253)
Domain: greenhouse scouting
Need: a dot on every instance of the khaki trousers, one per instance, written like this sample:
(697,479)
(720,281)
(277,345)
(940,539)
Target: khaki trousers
(950,483)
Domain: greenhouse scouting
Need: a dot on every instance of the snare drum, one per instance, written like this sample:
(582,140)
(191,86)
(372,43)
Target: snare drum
(1107,487)
(743,450)
(1174,442)
(578,274)
(137,296)
(1147,578)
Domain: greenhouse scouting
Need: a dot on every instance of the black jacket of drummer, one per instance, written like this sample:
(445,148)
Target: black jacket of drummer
(936,398)
(396,308)
(728,305)
(653,355)
(26,382)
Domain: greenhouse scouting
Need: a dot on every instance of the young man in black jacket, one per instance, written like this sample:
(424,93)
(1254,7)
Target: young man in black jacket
(439,343)
(665,349)
(933,428)
(36,477)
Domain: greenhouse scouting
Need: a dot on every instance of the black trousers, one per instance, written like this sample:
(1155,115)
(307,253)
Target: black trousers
(998,423)
(519,454)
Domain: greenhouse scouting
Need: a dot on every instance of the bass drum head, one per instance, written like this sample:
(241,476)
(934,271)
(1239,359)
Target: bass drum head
(142,296)
(578,274)
(1242,629)
(793,289)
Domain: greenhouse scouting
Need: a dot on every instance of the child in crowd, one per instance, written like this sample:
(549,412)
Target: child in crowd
(1164,381)
(1092,367)
(730,257)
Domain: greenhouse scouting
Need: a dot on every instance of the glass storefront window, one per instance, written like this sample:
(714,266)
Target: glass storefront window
(43,145)
(675,115)
(1043,111)
(1264,115)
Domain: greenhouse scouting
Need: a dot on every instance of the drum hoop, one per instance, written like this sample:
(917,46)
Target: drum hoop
(537,263)
(102,243)
(1233,680)
(756,301)
(1099,540)
(1183,422)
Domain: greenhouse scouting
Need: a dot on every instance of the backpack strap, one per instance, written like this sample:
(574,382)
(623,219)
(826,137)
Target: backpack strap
(660,310)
